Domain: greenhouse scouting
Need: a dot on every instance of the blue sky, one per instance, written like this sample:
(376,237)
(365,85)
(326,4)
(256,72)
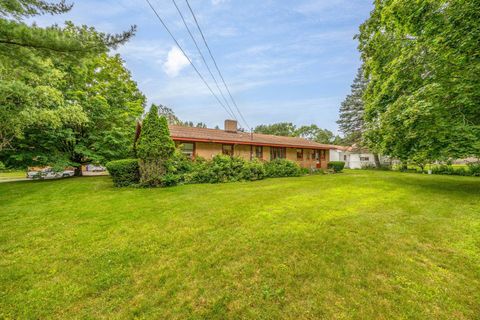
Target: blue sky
(283,60)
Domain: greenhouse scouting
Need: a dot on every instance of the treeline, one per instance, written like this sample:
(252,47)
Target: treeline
(310,132)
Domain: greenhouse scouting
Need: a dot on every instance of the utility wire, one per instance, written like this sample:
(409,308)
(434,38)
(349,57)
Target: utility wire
(216,66)
(203,58)
(189,60)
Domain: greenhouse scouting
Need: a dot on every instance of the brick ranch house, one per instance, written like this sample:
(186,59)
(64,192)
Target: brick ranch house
(206,143)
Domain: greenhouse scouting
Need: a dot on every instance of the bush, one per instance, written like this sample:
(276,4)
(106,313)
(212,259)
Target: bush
(2,166)
(253,170)
(474,169)
(221,168)
(124,172)
(282,168)
(336,166)
(372,166)
(443,169)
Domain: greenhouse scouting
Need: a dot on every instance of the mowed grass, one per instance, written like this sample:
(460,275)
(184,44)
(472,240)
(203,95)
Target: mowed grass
(12,175)
(356,245)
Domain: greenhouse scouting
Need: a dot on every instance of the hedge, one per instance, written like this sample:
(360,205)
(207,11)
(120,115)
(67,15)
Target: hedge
(220,169)
(124,172)
(282,168)
(337,166)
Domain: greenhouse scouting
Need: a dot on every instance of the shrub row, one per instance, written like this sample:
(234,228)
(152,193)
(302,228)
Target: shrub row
(218,170)
(473,169)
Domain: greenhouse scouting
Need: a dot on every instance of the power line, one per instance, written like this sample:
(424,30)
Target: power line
(215,63)
(203,57)
(189,60)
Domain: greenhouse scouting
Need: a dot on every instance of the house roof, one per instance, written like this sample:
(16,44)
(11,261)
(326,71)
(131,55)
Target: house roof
(180,133)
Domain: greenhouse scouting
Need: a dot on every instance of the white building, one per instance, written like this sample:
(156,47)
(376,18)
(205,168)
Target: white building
(356,158)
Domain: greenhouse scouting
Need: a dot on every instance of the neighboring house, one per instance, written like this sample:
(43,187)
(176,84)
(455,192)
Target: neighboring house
(355,158)
(206,143)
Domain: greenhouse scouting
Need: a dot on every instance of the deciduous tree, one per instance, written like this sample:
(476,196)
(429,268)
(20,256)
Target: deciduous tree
(422,60)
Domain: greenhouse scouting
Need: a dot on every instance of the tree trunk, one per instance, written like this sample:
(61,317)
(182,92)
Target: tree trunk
(377,160)
(78,171)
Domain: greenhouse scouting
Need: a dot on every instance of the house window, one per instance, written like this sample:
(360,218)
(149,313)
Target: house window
(315,155)
(323,153)
(299,154)
(259,152)
(227,149)
(188,149)
(364,158)
(277,153)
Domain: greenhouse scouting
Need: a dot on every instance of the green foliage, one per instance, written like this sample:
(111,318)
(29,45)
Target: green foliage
(286,129)
(421,59)
(124,172)
(351,111)
(371,166)
(474,169)
(2,166)
(21,8)
(63,100)
(220,169)
(447,169)
(84,113)
(314,133)
(155,141)
(253,170)
(21,41)
(282,168)
(310,132)
(155,148)
(336,166)
(168,113)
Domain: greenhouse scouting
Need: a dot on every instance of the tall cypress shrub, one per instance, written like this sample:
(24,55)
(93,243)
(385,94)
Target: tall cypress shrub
(155,148)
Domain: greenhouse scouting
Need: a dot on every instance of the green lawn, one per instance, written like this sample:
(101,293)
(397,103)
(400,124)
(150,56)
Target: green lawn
(360,245)
(11,175)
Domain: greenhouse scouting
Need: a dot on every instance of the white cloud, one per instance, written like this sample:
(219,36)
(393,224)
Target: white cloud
(176,61)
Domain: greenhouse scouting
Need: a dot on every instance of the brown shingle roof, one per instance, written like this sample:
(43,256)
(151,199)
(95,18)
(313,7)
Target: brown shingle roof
(181,133)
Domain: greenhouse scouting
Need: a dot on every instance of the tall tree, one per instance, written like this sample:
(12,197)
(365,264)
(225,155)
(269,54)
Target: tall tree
(288,129)
(154,148)
(30,80)
(423,64)
(168,113)
(351,117)
(352,110)
(278,129)
(107,102)
(16,35)
(314,133)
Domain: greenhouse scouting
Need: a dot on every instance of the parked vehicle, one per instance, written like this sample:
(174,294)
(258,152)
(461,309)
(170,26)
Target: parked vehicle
(94,168)
(49,173)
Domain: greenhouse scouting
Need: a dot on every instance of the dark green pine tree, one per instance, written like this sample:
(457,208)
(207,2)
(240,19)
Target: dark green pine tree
(155,148)
(351,121)
(19,40)
(351,111)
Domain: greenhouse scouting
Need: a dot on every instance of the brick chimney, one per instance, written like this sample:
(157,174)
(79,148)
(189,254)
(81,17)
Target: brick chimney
(231,126)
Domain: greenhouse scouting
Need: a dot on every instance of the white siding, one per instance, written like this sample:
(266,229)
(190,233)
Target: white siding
(355,160)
